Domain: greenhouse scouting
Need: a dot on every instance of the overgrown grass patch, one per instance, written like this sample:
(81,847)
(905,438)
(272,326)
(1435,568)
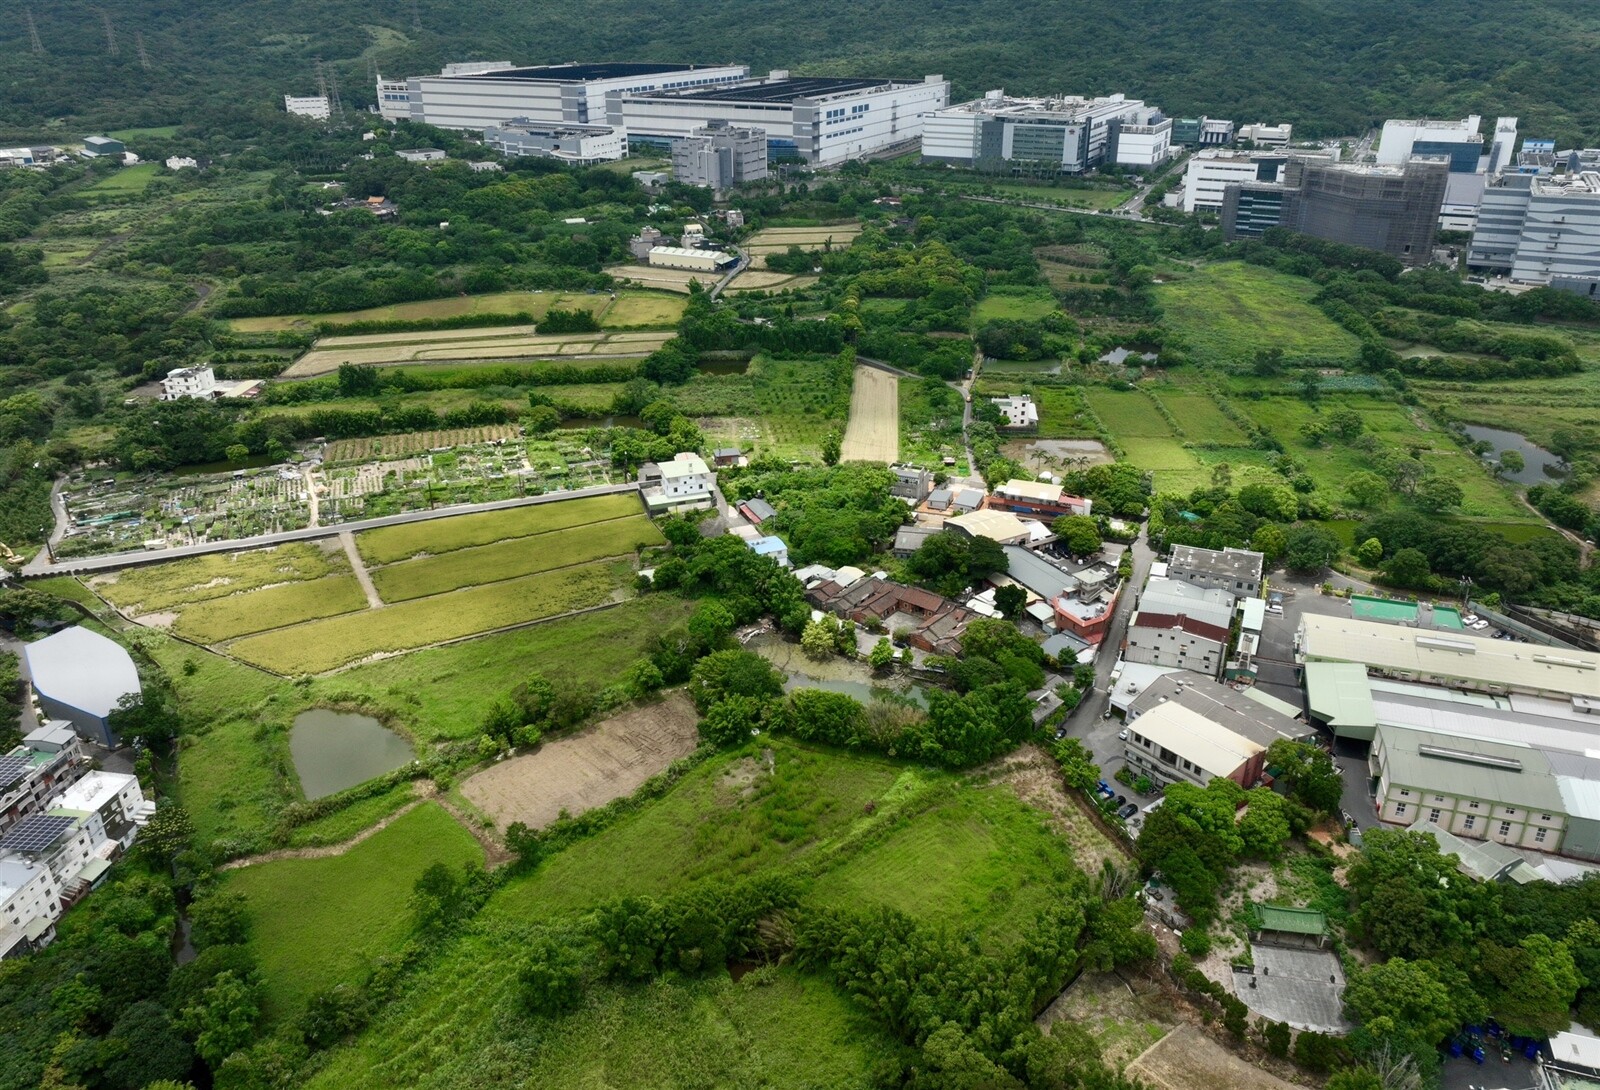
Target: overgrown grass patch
(980,862)
(1201,418)
(445,692)
(318,646)
(435,536)
(1014,304)
(320,922)
(1127,413)
(1225,313)
(735,815)
(512,558)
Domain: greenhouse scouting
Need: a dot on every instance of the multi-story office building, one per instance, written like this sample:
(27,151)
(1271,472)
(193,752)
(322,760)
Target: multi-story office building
(580,145)
(817,120)
(1460,142)
(1266,136)
(316,107)
(1066,135)
(1202,132)
(1394,210)
(1502,151)
(478,97)
(720,155)
(1541,230)
(1209,173)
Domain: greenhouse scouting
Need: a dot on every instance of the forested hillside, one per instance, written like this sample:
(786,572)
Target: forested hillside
(1329,66)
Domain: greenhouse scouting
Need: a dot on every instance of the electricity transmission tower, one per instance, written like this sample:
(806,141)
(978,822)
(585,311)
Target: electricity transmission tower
(33,34)
(111,35)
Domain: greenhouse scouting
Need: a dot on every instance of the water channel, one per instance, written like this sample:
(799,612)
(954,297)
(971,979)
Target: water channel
(1539,465)
(835,674)
(335,750)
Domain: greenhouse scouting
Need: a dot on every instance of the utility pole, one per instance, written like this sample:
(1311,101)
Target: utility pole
(33,34)
(111,36)
(138,45)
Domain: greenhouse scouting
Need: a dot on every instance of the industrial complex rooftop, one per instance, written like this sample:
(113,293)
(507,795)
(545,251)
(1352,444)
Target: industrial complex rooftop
(1471,768)
(1231,708)
(581,73)
(1416,655)
(782,89)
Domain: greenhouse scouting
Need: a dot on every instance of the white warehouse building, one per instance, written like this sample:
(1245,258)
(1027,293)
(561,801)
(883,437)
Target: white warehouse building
(817,120)
(579,145)
(471,96)
(1540,230)
(315,107)
(1068,135)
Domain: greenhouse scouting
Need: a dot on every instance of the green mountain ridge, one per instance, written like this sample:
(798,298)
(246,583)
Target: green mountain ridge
(1331,67)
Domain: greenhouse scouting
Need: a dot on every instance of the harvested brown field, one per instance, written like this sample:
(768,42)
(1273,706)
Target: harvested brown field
(775,240)
(1187,1058)
(873,434)
(504,343)
(608,761)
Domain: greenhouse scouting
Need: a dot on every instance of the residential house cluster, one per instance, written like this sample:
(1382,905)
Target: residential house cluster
(61,827)
(927,621)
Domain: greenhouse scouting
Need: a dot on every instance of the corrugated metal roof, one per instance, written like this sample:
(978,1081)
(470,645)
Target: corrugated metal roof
(1431,654)
(1295,921)
(1414,758)
(1338,695)
(1216,749)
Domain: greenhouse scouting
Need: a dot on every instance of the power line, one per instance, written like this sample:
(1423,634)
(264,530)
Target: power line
(138,44)
(33,33)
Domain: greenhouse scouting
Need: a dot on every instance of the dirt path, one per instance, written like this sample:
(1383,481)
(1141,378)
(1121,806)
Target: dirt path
(311,497)
(348,540)
(328,851)
(873,434)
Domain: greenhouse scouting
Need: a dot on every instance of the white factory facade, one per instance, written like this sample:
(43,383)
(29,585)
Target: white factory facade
(815,120)
(1068,135)
(1541,230)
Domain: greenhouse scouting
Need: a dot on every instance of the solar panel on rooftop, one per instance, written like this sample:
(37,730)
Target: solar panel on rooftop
(36,833)
(12,767)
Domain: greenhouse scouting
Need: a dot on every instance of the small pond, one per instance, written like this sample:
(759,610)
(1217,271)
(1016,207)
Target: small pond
(834,674)
(1539,465)
(335,750)
(613,421)
(722,367)
(1119,356)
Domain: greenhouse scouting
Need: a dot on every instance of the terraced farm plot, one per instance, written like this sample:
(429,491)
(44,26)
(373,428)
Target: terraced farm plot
(513,558)
(320,646)
(873,434)
(1127,413)
(272,607)
(659,279)
(575,774)
(534,304)
(434,536)
(1201,419)
(1225,313)
(177,583)
(400,349)
(775,240)
(415,442)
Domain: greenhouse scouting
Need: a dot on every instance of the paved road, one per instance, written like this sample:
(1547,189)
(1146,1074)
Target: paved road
(41,565)
(1087,721)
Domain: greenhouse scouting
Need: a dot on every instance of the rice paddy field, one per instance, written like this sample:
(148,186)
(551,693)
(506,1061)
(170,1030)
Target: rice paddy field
(628,308)
(1225,313)
(435,536)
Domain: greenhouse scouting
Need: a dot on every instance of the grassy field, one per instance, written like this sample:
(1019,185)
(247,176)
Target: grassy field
(203,578)
(515,557)
(780,407)
(319,646)
(444,692)
(317,922)
(435,536)
(1394,427)
(236,615)
(1200,419)
(1225,313)
(1127,413)
(629,308)
(726,818)
(127,182)
(1061,413)
(778,1031)
(164,131)
(1014,305)
(980,862)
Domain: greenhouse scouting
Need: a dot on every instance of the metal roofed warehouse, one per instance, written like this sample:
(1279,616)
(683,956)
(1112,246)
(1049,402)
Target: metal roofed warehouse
(80,676)
(1464,661)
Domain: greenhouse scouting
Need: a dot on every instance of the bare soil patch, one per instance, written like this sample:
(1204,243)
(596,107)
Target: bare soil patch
(1125,1016)
(1187,1058)
(608,761)
(873,434)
